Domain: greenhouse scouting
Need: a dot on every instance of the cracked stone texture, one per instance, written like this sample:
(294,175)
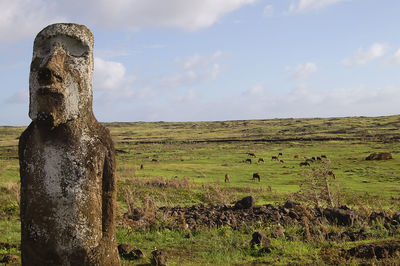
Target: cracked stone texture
(67,160)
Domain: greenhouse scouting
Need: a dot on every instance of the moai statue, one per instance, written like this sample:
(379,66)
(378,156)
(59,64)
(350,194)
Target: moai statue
(67,161)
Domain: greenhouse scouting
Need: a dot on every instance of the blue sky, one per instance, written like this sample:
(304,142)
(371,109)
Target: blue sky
(180,60)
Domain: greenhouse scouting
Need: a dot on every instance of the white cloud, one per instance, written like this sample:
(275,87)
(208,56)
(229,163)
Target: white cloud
(214,72)
(197,61)
(189,96)
(256,90)
(362,57)
(112,84)
(188,15)
(24,18)
(191,77)
(123,96)
(260,102)
(302,71)
(268,11)
(301,6)
(395,59)
(21,19)
(110,75)
(197,69)
(345,101)
(305,101)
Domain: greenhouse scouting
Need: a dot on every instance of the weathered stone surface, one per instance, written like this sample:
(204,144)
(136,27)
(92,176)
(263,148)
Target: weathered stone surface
(159,258)
(124,249)
(67,160)
(136,254)
(342,216)
(258,238)
(378,250)
(127,251)
(245,203)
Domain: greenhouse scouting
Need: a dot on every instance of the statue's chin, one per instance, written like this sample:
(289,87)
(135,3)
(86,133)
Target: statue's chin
(45,119)
(49,120)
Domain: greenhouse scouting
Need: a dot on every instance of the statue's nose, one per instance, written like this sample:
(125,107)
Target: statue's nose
(52,71)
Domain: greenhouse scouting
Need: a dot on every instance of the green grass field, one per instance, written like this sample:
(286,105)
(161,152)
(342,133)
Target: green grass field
(192,158)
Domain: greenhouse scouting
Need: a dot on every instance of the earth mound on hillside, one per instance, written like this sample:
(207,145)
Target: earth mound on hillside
(379,156)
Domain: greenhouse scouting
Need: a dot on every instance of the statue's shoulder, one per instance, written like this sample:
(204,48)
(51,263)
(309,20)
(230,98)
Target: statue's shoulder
(25,137)
(104,135)
(28,132)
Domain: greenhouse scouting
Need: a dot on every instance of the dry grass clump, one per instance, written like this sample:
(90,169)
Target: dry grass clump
(320,187)
(10,197)
(161,182)
(142,211)
(13,190)
(126,172)
(214,194)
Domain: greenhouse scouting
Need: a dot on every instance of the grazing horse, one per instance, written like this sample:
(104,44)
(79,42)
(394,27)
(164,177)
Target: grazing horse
(227,178)
(141,167)
(260,160)
(296,156)
(309,160)
(304,164)
(274,158)
(251,154)
(323,156)
(280,154)
(154,160)
(281,161)
(247,161)
(256,176)
(318,158)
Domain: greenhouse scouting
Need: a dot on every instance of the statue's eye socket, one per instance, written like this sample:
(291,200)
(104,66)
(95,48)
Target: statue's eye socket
(78,50)
(70,45)
(73,46)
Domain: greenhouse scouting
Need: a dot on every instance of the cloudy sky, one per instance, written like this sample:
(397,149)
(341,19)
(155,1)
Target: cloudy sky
(196,60)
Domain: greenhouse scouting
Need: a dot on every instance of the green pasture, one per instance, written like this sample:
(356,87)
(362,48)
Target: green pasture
(209,162)
(185,163)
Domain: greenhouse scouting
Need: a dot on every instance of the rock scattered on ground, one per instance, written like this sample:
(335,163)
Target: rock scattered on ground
(127,251)
(343,216)
(290,214)
(245,203)
(259,239)
(379,156)
(159,258)
(378,250)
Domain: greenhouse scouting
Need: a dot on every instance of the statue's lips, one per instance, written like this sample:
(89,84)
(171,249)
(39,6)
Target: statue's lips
(50,90)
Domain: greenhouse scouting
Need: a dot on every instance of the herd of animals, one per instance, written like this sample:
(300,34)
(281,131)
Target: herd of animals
(256,176)
(307,162)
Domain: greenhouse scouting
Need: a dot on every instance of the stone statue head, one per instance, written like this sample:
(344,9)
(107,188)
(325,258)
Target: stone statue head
(60,82)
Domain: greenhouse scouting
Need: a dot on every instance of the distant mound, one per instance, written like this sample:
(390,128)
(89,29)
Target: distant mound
(379,156)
